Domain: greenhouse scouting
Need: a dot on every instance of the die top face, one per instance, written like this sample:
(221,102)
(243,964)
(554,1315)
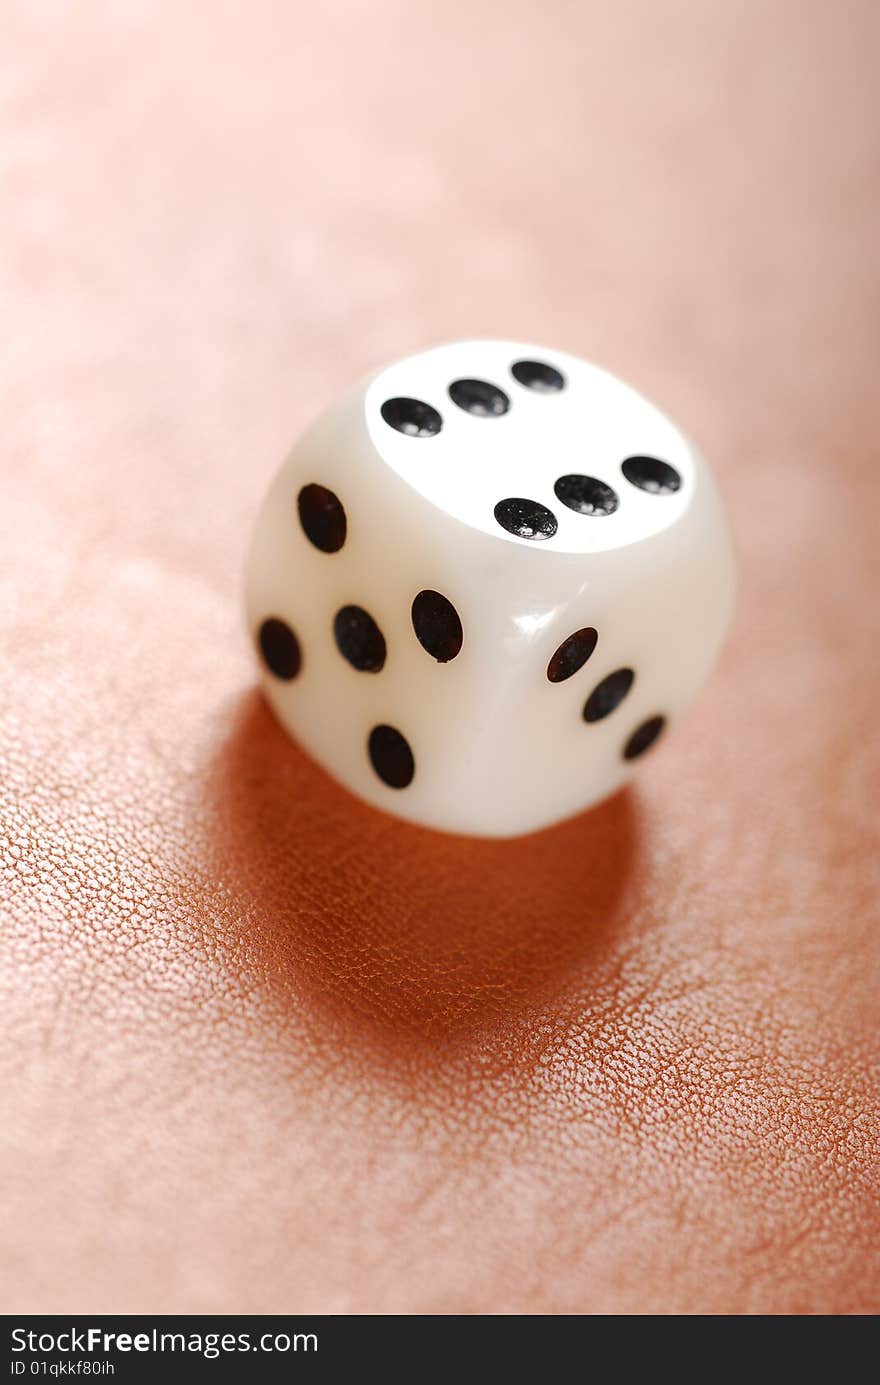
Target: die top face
(531,446)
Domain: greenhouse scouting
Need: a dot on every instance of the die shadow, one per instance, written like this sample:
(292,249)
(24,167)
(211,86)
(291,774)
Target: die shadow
(390,930)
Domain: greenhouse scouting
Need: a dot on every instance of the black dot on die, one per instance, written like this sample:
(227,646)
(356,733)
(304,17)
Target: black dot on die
(279,648)
(651,475)
(586,495)
(479,397)
(391,757)
(359,639)
(572,654)
(538,376)
(643,737)
(322,518)
(437,625)
(526,518)
(608,694)
(413,417)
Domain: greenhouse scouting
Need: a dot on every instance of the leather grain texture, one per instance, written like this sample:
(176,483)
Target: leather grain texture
(262,1048)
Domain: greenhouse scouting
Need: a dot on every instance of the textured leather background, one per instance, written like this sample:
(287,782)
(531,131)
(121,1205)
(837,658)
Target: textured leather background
(262,1048)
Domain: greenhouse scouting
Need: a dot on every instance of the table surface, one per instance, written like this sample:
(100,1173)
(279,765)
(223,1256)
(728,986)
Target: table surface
(263,1048)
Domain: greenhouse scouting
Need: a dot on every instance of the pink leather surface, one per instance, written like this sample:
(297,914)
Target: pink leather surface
(262,1048)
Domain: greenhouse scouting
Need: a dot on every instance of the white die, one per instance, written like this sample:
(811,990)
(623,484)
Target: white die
(484,582)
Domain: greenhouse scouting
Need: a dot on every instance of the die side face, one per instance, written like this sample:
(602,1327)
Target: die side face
(446,668)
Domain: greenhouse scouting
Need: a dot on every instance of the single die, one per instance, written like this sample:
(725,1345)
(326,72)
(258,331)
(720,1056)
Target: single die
(485,582)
